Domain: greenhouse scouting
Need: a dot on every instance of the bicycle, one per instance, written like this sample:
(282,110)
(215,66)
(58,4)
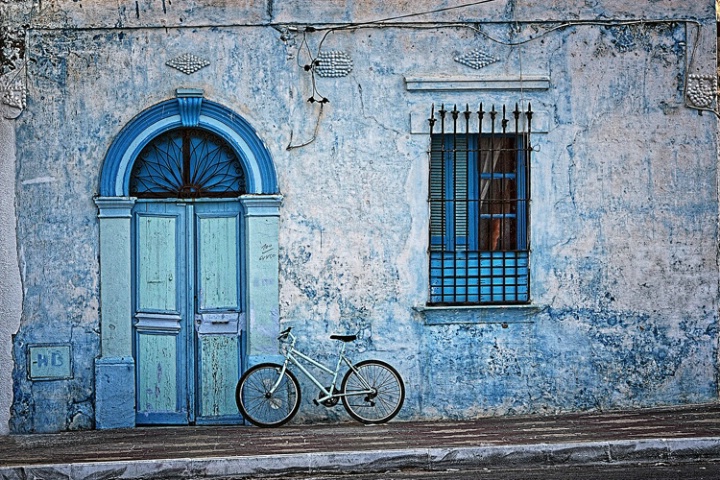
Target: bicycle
(268,394)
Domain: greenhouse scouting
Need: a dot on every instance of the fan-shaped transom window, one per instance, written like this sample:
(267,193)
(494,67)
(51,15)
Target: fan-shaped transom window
(187,163)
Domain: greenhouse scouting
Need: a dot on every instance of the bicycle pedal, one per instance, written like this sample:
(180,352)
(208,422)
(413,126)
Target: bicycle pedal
(316,402)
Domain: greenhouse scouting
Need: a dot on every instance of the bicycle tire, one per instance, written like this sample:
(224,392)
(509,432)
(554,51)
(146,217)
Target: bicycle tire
(257,405)
(387,400)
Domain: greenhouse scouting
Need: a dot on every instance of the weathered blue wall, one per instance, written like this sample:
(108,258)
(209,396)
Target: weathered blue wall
(624,191)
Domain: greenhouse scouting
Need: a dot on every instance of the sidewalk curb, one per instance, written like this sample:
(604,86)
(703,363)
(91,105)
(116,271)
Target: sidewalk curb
(436,458)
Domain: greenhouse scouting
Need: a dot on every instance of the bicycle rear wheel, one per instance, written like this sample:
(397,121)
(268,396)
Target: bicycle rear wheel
(374,392)
(258,405)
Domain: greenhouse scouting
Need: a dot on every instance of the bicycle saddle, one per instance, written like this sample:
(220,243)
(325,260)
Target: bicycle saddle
(344,338)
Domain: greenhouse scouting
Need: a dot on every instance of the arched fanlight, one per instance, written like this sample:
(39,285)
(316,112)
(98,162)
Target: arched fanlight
(187,163)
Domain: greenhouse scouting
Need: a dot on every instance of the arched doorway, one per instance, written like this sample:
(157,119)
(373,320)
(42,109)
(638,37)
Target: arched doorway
(188,212)
(188,310)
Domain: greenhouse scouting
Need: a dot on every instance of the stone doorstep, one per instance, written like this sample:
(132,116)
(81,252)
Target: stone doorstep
(440,459)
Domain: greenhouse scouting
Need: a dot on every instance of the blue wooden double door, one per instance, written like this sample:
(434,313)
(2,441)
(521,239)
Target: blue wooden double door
(188,320)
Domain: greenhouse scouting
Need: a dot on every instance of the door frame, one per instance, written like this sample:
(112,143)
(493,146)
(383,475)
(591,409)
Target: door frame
(184,321)
(260,212)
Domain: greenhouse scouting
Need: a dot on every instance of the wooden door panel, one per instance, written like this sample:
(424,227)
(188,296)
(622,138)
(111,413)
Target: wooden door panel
(219,327)
(157,263)
(157,374)
(161,346)
(219,373)
(218,263)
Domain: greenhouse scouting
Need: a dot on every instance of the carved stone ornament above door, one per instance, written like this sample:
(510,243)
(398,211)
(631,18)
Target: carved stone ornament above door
(188,63)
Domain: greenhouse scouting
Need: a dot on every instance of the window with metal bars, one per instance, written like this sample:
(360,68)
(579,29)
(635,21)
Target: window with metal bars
(479,206)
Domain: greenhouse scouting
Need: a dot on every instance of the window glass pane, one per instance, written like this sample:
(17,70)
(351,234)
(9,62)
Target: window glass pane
(498,194)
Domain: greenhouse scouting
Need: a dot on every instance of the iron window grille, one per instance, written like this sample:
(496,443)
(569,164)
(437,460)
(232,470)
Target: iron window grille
(187,163)
(479,206)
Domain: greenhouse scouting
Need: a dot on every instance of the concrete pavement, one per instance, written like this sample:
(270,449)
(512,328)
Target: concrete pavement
(652,435)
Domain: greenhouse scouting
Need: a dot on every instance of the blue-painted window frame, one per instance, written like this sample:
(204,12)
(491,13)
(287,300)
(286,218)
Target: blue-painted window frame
(462,271)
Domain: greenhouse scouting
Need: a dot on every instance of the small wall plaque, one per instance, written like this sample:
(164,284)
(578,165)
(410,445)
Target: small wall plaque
(50,362)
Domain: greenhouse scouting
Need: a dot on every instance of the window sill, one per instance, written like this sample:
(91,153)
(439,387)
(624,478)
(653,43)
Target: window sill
(480,314)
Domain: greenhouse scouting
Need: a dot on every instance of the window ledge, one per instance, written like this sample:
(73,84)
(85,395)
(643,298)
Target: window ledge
(480,314)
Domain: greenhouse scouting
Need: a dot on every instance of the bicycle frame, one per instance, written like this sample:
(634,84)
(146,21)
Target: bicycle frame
(292,355)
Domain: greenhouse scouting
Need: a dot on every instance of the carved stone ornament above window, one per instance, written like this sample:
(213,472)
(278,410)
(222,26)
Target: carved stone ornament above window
(702,90)
(188,63)
(477,59)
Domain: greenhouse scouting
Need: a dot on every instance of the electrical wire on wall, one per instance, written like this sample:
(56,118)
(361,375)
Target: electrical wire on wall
(313,62)
(314,135)
(315,96)
(554,26)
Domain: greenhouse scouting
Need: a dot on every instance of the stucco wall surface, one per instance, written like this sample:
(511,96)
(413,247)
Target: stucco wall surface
(624,276)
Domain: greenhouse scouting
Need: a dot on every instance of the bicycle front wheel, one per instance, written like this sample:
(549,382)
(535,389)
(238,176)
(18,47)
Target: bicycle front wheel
(261,407)
(373,392)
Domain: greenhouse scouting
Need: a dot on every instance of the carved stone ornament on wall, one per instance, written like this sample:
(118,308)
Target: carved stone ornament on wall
(333,63)
(702,90)
(188,63)
(12,93)
(477,58)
